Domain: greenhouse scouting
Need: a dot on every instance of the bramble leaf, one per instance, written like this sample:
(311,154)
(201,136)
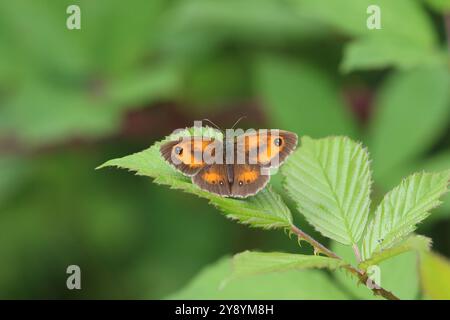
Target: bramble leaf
(329,179)
(252,263)
(308,284)
(417,243)
(402,209)
(265,210)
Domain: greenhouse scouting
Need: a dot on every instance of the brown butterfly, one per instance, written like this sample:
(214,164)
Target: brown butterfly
(235,167)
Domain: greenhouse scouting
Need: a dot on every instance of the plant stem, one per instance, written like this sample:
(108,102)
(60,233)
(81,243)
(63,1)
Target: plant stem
(363,278)
(316,245)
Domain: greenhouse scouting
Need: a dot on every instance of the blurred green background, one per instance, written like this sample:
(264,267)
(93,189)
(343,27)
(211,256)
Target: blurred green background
(137,70)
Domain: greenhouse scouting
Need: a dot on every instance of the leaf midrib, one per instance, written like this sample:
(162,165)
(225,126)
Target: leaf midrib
(343,216)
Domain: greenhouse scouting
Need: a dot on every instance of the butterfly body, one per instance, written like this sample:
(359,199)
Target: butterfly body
(236,167)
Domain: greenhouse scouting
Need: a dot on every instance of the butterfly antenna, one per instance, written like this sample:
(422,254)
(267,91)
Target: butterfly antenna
(215,125)
(238,120)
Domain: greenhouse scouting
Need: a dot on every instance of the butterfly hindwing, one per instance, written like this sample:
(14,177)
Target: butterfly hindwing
(247,180)
(213,178)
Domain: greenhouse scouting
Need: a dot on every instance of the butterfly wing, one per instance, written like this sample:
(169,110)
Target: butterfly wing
(213,178)
(268,148)
(261,149)
(188,154)
(247,180)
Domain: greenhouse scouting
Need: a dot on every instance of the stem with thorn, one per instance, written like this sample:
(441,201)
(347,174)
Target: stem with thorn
(362,276)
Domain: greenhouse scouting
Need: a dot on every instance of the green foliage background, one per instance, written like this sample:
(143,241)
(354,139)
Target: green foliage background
(137,70)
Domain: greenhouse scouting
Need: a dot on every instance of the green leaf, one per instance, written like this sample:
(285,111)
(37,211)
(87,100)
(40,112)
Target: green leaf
(329,179)
(307,284)
(442,6)
(265,210)
(382,52)
(302,98)
(435,276)
(434,163)
(350,17)
(402,209)
(416,243)
(438,162)
(394,44)
(252,263)
(412,110)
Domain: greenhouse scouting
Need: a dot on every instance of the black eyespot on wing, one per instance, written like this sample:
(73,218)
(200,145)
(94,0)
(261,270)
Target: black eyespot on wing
(288,144)
(278,142)
(178,150)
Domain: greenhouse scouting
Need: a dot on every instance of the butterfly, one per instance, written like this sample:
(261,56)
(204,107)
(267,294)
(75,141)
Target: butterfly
(237,166)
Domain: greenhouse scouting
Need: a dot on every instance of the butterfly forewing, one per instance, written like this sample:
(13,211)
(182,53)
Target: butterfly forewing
(190,155)
(269,147)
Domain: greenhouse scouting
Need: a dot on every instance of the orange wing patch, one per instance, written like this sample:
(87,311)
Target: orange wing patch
(262,147)
(190,155)
(190,151)
(213,177)
(247,175)
(270,147)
